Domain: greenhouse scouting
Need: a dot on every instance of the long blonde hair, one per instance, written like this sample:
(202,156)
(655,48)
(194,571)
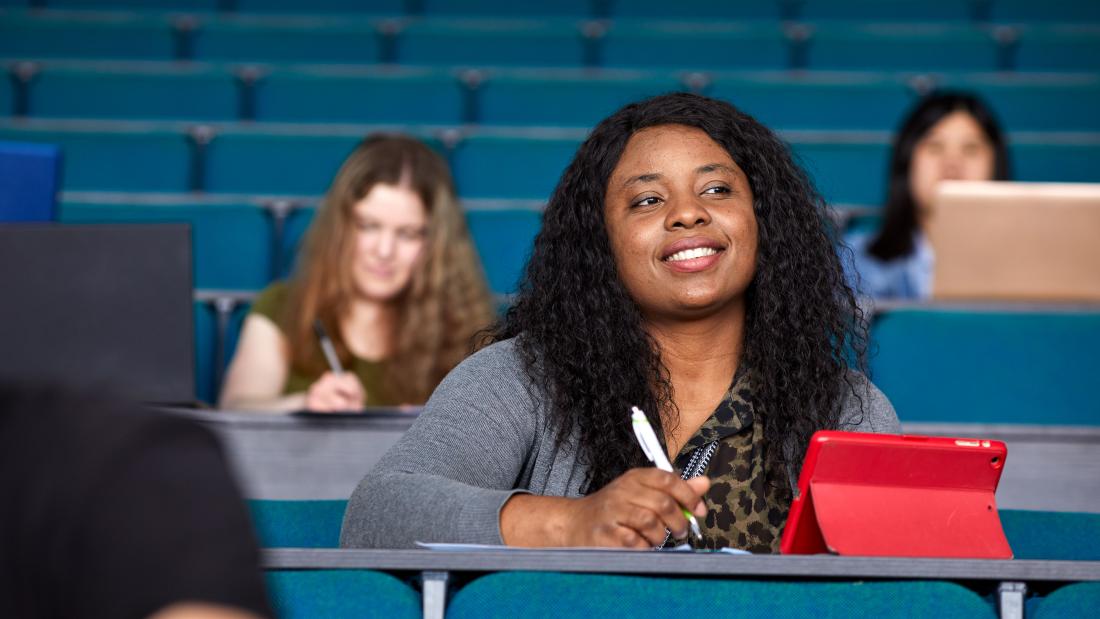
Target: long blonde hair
(444,305)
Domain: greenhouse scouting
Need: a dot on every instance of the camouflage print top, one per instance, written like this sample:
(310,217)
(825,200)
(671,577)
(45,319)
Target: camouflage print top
(750,491)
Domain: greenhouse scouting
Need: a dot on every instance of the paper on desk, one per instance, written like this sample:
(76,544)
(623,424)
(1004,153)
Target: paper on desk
(445,547)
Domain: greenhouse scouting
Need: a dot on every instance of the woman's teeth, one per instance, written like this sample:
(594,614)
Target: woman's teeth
(689,254)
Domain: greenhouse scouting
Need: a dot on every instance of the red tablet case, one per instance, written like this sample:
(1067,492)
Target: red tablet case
(901,496)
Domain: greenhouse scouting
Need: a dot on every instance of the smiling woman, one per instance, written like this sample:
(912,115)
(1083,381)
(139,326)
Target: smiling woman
(389,271)
(685,267)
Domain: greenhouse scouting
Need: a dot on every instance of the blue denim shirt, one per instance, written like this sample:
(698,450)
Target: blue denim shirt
(906,277)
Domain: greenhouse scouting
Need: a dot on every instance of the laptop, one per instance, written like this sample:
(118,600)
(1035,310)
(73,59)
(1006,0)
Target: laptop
(1016,241)
(867,494)
(104,307)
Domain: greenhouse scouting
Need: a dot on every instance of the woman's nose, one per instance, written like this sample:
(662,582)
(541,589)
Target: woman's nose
(686,213)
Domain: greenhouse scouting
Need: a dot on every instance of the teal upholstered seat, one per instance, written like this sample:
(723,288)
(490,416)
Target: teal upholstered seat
(888,11)
(989,367)
(849,171)
(532,43)
(87,36)
(780,100)
(1027,102)
(298,524)
(374,7)
(7,96)
(572,99)
(1076,600)
(901,47)
(490,166)
(267,39)
(1063,47)
(408,96)
(506,8)
(695,46)
(559,596)
(697,10)
(275,163)
(341,594)
(1048,160)
(135,93)
(1055,536)
(504,239)
(130,159)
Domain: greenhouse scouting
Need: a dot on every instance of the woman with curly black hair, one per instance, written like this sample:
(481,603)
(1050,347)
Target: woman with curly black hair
(685,266)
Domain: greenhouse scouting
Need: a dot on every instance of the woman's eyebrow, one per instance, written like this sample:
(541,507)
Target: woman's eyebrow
(714,167)
(648,177)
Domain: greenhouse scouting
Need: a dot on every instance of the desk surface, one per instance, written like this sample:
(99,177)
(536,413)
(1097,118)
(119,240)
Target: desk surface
(681,564)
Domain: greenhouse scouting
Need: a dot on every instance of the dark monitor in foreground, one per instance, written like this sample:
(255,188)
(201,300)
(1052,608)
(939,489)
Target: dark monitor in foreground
(99,306)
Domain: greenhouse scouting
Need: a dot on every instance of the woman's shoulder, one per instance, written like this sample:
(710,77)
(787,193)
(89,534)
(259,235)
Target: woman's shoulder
(271,301)
(865,408)
(499,363)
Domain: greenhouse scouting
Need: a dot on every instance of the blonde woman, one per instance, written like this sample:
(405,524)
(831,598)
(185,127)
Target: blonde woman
(391,275)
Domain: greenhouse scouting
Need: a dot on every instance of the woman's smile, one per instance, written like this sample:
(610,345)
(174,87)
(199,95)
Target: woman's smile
(692,254)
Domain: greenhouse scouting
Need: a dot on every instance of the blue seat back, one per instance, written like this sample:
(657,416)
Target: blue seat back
(989,367)
(696,47)
(1076,600)
(179,93)
(326,41)
(1052,536)
(558,596)
(131,159)
(408,96)
(30,175)
(297,524)
(341,594)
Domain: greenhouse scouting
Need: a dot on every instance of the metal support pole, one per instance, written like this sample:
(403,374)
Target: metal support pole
(1010,600)
(433,589)
(223,310)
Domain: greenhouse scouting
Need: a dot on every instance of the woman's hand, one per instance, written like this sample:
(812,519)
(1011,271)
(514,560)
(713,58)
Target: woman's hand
(336,392)
(632,511)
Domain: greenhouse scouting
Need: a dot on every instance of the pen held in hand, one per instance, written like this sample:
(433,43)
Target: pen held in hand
(327,348)
(647,438)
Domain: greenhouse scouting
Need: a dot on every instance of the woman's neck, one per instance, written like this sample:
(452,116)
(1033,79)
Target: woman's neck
(701,357)
(367,329)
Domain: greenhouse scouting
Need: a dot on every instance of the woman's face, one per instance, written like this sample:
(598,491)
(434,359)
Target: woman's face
(391,226)
(680,219)
(955,148)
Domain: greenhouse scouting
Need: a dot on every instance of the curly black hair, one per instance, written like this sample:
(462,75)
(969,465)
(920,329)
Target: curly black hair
(582,338)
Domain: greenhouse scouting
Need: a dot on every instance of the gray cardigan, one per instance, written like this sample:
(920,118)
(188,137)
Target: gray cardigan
(483,436)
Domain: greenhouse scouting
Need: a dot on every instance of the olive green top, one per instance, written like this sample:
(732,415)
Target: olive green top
(271,304)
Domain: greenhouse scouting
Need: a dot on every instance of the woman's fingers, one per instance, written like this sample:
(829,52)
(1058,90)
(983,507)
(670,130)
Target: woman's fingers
(635,509)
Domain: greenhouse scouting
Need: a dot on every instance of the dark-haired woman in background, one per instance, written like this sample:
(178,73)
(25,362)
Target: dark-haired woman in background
(684,267)
(947,136)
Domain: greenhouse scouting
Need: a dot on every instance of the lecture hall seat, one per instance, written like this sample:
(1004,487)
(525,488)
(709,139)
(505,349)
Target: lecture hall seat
(549,595)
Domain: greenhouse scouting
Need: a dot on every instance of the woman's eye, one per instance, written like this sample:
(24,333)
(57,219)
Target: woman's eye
(410,234)
(650,201)
(366,226)
(717,189)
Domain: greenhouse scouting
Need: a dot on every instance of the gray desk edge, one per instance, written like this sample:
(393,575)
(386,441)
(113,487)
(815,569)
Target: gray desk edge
(626,562)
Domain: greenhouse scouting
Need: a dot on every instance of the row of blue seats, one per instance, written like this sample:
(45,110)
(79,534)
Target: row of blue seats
(236,247)
(556,595)
(577,98)
(849,168)
(360,593)
(935,365)
(541,43)
(924,10)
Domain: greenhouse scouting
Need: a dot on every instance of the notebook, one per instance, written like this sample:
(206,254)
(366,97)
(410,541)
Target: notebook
(99,306)
(898,495)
